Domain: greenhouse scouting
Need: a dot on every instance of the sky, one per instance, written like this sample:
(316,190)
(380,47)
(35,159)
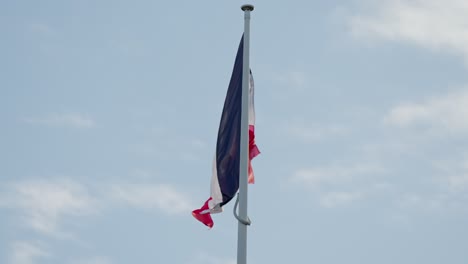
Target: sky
(109,113)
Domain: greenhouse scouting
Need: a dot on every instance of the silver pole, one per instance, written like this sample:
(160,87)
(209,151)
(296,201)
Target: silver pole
(244,143)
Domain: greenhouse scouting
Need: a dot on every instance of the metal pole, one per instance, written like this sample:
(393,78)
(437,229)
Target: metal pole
(244,143)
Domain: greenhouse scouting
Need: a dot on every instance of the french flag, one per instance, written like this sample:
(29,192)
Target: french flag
(225,177)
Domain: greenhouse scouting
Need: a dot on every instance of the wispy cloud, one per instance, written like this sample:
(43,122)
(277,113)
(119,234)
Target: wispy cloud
(295,79)
(420,202)
(43,204)
(318,177)
(458,182)
(93,260)
(26,253)
(75,120)
(340,198)
(153,196)
(453,175)
(433,24)
(335,186)
(447,113)
(41,28)
(309,133)
(210,259)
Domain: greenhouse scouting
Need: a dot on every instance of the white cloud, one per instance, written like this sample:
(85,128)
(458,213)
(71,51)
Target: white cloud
(335,199)
(336,186)
(422,202)
(433,24)
(26,253)
(453,175)
(313,132)
(42,29)
(458,183)
(292,79)
(446,113)
(44,204)
(153,196)
(68,120)
(334,175)
(203,258)
(198,144)
(94,260)
(445,190)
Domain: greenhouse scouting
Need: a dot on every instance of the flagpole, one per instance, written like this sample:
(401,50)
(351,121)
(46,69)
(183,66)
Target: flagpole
(244,143)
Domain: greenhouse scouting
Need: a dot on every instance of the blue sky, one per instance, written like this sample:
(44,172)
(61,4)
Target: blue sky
(109,112)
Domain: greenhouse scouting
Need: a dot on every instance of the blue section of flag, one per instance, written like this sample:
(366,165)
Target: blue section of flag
(228,144)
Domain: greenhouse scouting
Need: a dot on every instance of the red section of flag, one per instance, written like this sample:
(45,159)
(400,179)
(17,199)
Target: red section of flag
(203,214)
(253,152)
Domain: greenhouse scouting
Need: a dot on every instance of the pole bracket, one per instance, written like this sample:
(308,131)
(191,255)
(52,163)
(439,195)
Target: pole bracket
(247,221)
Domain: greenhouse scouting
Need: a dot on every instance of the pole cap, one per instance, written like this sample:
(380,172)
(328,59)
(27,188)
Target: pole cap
(247,7)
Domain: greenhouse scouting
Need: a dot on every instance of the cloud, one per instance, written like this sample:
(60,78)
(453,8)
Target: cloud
(42,29)
(335,199)
(335,186)
(74,120)
(198,144)
(445,113)
(318,177)
(43,204)
(445,189)
(432,24)
(210,259)
(26,253)
(153,196)
(294,79)
(309,133)
(458,183)
(453,175)
(427,203)
(94,260)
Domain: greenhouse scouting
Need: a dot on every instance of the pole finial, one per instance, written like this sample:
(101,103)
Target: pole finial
(247,7)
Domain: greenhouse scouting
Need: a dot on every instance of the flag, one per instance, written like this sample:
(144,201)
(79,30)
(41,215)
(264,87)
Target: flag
(225,176)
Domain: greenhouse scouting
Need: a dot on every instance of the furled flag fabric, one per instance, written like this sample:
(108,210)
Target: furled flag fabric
(225,178)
